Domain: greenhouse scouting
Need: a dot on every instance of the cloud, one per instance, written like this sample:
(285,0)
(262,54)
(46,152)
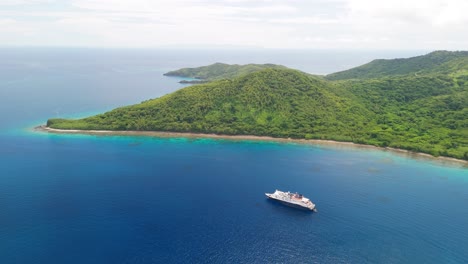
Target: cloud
(268,23)
(12,26)
(430,12)
(24,2)
(6,22)
(305,20)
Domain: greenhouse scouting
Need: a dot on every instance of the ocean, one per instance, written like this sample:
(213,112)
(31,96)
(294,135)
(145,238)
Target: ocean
(117,199)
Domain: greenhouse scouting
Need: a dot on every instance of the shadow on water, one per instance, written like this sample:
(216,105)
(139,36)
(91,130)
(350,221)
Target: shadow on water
(373,170)
(134,144)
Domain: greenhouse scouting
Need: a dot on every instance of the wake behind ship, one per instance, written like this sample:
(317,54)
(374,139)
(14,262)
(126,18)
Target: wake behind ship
(292,199)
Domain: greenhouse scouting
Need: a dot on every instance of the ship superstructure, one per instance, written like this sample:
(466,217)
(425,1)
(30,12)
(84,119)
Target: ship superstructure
(292,199)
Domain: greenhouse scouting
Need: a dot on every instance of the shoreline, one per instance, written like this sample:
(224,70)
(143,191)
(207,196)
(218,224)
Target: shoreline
(322,142)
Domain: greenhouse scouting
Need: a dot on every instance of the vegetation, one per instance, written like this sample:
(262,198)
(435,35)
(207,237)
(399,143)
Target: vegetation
(218,71)
(427,112)
(430,63)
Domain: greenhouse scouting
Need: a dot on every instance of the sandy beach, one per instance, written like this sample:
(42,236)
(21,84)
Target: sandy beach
(331,143)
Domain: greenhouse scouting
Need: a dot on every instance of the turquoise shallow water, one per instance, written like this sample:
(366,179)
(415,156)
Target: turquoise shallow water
(111,199)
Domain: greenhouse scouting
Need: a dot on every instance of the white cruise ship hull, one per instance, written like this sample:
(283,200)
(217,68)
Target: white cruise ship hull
(309,207)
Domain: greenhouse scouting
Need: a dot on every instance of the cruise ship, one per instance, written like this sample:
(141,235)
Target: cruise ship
(292,199)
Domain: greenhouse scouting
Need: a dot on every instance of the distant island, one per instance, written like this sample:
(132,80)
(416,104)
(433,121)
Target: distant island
(418,104)
(217,71)
(192,81)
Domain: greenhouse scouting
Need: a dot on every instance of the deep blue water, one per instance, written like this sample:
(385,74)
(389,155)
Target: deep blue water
(111,199)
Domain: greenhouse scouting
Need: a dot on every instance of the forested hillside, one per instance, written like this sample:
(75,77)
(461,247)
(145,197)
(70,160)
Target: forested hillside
(277,102)
(219,71)
(430,63)
(424,112)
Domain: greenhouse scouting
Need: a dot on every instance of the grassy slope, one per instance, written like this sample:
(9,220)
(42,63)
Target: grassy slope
(219,71)
(427,112)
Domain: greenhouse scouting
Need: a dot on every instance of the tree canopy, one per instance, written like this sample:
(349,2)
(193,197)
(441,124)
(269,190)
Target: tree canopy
(424,112)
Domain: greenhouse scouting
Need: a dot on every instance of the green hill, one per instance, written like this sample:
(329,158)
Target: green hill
(277,102)
(219,71)
(433,62)
(419,112)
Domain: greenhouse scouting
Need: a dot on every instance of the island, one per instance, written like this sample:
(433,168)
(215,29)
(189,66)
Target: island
(217,71)
(192,81)
(418,104)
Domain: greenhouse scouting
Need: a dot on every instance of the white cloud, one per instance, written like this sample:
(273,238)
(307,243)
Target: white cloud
(305,20)
(24,2)
(432,12)
(6,22)
(12,26)
(409,24)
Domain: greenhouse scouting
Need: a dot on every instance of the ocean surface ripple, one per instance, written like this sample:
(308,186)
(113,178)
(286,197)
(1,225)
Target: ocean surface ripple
(116,199)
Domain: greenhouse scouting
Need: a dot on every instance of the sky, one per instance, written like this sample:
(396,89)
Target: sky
(273,24)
